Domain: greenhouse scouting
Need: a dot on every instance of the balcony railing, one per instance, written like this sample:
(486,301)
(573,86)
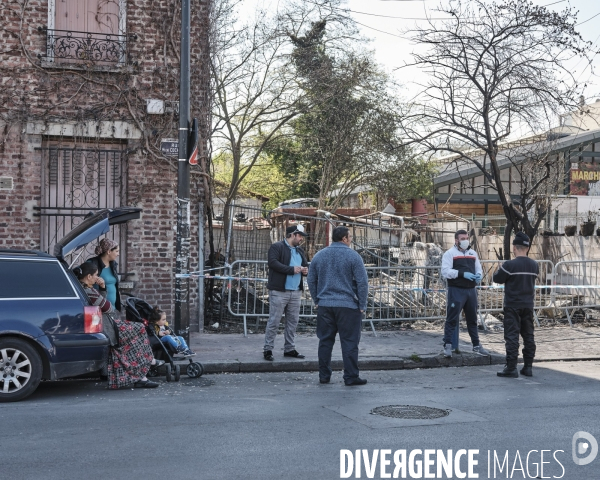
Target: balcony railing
(63,46)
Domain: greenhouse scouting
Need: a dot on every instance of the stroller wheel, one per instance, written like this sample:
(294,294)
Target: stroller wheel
(169,373)
(194,370)
(177,372)
(153,372)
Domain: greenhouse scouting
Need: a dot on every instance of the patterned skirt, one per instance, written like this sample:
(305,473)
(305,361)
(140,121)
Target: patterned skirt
(130,361)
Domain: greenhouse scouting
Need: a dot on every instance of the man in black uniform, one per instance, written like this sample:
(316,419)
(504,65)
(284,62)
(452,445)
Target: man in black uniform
(519,276)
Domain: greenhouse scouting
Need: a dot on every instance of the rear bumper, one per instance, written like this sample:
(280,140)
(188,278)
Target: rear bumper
(77,354)
(94,342)
(74,369)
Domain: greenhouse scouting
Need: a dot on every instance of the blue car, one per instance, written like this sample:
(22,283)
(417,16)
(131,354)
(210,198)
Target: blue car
(48,329)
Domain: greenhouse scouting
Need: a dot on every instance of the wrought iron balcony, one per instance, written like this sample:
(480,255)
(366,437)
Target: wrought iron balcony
(63,46)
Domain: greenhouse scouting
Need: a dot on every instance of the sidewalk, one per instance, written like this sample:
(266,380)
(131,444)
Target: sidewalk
(394,350)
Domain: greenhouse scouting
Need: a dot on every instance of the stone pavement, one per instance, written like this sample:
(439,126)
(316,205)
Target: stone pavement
(389,350)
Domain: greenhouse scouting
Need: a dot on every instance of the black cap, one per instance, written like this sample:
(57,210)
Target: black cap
(521,239)
(295,229)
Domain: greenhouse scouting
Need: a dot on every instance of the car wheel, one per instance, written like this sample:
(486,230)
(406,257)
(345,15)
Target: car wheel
(20,369)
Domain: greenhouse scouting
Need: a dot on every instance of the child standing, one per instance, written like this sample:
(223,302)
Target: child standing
(166,335)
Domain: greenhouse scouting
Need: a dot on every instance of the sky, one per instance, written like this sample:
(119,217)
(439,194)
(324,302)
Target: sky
(385,21)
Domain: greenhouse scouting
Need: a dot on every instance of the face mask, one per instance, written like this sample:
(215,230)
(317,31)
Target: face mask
(464,244)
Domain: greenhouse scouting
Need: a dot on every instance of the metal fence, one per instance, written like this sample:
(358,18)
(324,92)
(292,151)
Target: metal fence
(381,241)
(560,221)
(555,222)
(576,286)
(404,276)
(248,295)
(395,293)
(400,293)
(491,296)
(405,293)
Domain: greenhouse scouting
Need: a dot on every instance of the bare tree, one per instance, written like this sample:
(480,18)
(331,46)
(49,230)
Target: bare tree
(255,92)
(494,69)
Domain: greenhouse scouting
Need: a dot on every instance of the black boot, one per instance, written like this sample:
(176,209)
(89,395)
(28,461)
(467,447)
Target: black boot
(509,371)
(526,370)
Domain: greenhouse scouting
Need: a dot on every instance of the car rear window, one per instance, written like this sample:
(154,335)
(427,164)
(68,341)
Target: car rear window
(33,279)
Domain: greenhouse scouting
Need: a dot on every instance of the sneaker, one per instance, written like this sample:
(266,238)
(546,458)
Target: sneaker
(357,381)
(324,380)
(448,350)
(480,350)
(268,354)
(189,353)
(509,372)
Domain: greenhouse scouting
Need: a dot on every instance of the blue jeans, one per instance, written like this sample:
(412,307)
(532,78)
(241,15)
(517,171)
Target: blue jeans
(178,343)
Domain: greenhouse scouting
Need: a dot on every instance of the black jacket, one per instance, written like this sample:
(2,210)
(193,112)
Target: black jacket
(113,267)
(279,265)
(519,276)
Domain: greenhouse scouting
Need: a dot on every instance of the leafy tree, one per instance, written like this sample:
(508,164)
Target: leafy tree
(349,136)
(264,178)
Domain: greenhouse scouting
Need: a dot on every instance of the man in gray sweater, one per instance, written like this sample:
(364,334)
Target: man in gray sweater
(338,284)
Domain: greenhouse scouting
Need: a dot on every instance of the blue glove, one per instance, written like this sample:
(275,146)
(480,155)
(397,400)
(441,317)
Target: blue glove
(478,278)
(470,276)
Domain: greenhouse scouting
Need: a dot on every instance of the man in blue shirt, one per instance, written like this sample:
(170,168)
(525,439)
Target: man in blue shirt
(287,264)
(339,286)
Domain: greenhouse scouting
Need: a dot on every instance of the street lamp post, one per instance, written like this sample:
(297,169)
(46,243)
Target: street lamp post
(182,253)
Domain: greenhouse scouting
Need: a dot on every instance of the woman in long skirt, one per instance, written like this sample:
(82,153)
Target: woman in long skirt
(130,355)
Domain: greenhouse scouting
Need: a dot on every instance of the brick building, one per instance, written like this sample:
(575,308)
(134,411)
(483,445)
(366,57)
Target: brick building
(88,89)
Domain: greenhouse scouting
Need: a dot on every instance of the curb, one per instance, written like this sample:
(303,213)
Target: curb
(370,363)
(365,363)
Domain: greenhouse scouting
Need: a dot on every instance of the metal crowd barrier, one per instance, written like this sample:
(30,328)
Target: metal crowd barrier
(576,285)
(419,293)
(405,293)
(490,296)
(395,293)
(248,295)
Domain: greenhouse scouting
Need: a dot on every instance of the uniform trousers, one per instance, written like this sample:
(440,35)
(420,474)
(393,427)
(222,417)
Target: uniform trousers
(518,321)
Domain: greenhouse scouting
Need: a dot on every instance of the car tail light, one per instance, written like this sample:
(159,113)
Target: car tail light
(92,319)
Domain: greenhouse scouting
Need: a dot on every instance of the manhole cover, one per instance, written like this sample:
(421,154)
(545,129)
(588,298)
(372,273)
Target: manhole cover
(411,412)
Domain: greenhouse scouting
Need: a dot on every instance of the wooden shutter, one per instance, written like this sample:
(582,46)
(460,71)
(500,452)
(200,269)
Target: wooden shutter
(93,16)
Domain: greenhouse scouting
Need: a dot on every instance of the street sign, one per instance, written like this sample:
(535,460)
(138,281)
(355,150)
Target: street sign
(193,143)
(169,147)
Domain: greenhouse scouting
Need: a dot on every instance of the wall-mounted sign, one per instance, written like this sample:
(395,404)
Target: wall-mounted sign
(169,147)
(585,179)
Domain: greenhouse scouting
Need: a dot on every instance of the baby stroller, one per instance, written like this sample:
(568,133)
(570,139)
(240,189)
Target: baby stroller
(138,310)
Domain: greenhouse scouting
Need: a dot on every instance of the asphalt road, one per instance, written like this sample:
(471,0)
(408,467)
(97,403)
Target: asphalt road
(287,425)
